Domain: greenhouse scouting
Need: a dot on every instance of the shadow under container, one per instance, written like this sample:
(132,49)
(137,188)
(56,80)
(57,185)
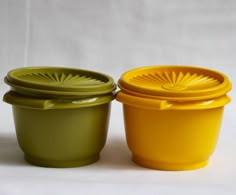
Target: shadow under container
(61,114)
(172,114)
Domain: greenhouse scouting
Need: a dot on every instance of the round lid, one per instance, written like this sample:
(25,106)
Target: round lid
(175,83)
(59,80)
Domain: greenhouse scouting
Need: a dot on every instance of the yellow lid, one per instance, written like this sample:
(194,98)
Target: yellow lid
(177,83)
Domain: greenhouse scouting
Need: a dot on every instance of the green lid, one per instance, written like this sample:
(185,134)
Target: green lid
(59,81)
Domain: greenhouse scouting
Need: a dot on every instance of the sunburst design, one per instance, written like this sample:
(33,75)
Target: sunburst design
(175,81)
(60,79)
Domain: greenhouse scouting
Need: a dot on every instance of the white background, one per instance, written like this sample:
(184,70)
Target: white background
(112,36)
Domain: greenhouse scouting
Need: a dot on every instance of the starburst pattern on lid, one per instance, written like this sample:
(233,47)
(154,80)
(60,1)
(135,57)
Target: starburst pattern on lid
(62,79)
(175,81)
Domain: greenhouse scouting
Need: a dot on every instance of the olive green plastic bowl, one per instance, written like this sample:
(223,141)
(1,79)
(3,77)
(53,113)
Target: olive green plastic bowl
(57,126)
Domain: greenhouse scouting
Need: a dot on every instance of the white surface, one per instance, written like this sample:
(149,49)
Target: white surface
(111,37)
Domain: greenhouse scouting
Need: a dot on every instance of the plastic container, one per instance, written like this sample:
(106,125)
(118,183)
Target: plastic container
(172,114)
(61,115)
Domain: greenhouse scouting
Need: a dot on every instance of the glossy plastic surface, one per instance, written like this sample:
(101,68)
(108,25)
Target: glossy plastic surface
(161,104)
(49,103)
(173,114)
(64,137)
(172,139)
(175,83)
(61,114)
(58,82)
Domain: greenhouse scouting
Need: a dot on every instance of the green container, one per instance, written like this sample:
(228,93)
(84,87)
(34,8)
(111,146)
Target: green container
(61,115)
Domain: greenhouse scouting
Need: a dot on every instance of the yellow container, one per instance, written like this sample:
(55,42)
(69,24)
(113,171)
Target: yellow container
(173,114)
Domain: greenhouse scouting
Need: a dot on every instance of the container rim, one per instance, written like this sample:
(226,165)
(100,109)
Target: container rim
(59,80)
(16,99)
(161,82)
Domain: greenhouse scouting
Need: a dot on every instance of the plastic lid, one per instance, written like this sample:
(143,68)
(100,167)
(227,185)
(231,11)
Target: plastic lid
(59,81)
(175,83)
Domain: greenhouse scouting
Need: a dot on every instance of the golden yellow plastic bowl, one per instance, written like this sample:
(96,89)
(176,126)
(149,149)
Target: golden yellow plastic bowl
(173,114)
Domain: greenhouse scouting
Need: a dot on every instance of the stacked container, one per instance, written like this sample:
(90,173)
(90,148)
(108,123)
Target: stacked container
(61,115)
(172,114)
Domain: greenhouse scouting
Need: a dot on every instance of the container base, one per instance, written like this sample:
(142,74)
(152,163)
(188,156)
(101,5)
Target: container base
(167,166)
(61,164)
